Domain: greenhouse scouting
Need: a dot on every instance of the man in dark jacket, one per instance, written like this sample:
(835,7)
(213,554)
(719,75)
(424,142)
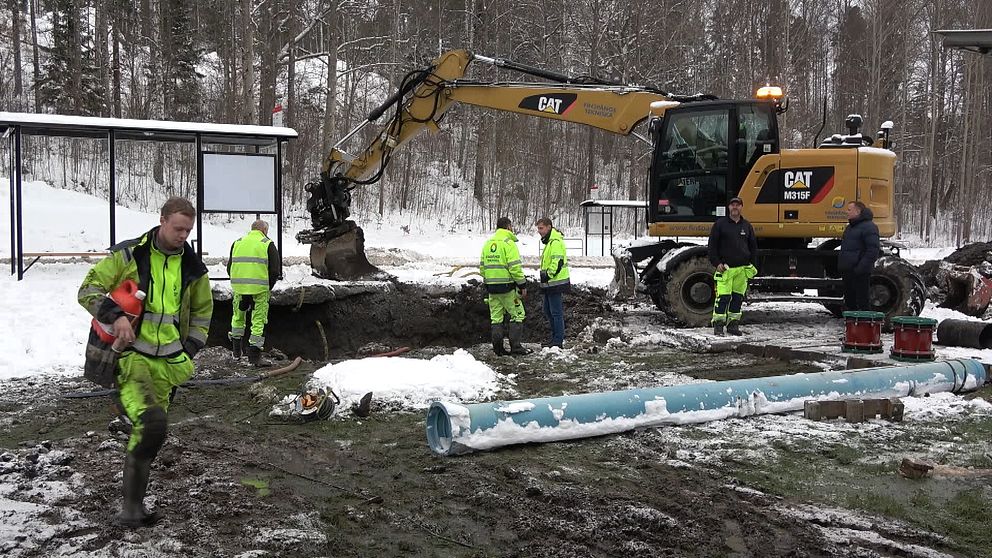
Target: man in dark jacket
(859,248)
(732,251)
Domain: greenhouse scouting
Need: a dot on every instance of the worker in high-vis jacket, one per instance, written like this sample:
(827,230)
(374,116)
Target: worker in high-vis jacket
(254,267)
(506,287)
(554,279)
(157,351)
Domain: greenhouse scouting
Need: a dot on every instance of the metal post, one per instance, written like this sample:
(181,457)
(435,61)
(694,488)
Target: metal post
(13,209)
(199,195)
(278,171)
(112,139)
(20,206)
(585,243)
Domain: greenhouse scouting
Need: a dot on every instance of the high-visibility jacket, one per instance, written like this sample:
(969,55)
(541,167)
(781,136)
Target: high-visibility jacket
(178,303)
(554,263)
(500,263)
(250,264)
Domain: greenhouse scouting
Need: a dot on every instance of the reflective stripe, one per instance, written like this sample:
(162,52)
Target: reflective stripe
(248,259)
(91,290)
(494,267)
(237,333)
(149,349)
(557,257)
(512,263)
(555,283)
(257,340)
(249,281)
(199,322)
(159,318)
(500,281)
(198,335)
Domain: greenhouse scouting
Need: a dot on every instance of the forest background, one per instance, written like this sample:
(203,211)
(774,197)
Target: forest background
(329,62)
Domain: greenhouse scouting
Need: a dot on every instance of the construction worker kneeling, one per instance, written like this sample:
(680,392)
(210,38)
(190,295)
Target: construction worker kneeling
(254,268)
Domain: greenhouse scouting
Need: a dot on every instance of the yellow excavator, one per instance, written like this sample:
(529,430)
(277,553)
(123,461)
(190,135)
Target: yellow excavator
(704,151)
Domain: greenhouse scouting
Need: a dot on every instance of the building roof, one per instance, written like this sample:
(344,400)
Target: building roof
(976,40)
(156,130)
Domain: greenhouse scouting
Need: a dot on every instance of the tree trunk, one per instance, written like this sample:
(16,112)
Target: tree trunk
(34,54)
(15,25)
(330,102)
(247,68)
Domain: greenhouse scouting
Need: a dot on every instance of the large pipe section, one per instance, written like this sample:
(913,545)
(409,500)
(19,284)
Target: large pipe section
(454,429)
(965,333)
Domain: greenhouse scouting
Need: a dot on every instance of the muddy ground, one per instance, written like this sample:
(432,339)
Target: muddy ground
(233,482)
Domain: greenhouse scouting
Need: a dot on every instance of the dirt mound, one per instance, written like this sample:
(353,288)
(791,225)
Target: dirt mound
(971,254)
(402,315)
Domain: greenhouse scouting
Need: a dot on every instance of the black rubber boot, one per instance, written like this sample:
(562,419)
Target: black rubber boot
(255,357)
(133,513)
(236,348)
(496,335)
(718,329)
(734,328)
(516,334)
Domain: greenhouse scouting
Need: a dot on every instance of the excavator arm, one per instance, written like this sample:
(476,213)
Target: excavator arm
(420,103)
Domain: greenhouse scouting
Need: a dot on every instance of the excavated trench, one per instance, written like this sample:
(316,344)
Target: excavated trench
(395,315)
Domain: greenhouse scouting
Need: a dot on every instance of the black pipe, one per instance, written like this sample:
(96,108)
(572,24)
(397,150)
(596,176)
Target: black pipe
(965,333)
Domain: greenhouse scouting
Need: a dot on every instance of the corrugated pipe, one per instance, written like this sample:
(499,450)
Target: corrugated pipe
(965,333)
(454,429)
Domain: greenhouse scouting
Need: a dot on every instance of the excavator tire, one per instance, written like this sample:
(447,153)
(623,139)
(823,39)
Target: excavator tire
(897,288)
(688,294)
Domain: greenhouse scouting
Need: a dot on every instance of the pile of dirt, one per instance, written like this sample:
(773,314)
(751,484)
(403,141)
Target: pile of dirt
(402,315)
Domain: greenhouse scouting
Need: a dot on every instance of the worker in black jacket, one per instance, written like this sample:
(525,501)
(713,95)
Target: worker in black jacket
(732,251)
(859,248)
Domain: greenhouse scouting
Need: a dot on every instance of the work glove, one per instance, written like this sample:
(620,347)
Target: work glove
(750,271)
(192,346)
(544,276)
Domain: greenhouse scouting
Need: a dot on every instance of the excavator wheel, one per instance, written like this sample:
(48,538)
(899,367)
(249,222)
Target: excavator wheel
(897,288)
(688,293)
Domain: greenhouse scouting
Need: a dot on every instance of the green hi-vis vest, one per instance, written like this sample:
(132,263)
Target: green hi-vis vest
(553,254)
(250,264)
(500,263)
(178,303)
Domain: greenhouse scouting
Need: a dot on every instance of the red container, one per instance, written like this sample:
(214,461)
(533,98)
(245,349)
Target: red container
(912,338)
(130,299)
(863,332)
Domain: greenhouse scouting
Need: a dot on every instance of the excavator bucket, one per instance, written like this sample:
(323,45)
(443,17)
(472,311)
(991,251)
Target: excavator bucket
(342,257)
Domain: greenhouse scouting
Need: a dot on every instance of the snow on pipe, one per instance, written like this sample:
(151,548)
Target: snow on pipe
(454,429)
(965,333)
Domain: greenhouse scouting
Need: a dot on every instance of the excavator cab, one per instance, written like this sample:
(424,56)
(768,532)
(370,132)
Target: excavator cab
(703,153)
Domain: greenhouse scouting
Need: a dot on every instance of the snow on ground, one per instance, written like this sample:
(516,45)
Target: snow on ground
(412,383)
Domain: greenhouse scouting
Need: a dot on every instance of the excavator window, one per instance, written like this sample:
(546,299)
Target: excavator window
(689,171)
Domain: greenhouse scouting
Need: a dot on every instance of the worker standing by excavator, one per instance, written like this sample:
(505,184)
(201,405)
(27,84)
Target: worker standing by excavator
(732,250)
(254,267)
(503,275)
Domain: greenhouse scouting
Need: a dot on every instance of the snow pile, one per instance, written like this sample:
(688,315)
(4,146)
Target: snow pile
(412,383)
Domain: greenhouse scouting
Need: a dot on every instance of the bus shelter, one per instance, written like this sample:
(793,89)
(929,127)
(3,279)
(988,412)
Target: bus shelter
(599,223)
(247,182)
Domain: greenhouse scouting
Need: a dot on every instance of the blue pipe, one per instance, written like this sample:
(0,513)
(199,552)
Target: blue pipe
(454,429)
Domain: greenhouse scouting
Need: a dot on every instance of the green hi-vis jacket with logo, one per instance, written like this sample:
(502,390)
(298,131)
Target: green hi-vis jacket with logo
(500,264)
(177,305)
(249,266)
(554,263)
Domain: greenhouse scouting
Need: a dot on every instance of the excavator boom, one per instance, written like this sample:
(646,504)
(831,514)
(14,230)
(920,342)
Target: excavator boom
(420,103)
